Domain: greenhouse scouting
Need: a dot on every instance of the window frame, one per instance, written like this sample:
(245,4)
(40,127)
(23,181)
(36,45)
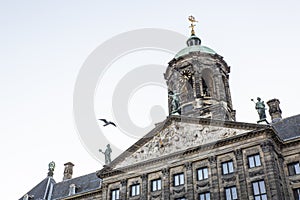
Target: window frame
(135,190)
(296,193)
(157,188)
(114,196)
(227,164)
(292,169)
(256,161)
(231,194)
(180,178)
(204,196)
(261,195)
(201,171)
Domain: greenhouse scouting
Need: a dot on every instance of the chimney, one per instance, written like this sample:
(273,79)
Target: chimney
(274,110)
(68,172)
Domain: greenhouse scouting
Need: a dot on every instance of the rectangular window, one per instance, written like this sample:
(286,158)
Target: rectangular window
(259,190)
(254,161)
(231,193)
(204,196)
(297,194)
(202,173)
(227,167)
(294,168)
(178,179)
(156,185)
(115,194)
(135,190)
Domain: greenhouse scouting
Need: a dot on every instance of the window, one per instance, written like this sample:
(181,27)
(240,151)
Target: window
(135,190)
(178,179)
(202,173)
(231,193)
(204,196)
(156,185)
(259,190)
(254,161)
(227,167)
(115,194)
(294,168)
(297,194)
(181,198)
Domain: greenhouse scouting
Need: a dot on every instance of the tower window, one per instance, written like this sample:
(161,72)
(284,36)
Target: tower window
(115,194)
(135,190)
(294,168)
(156,185)
(178,179)
(227,167)
(259,190)
(254,161)
(202,173)
(204,196)
(296,194)
(231,193)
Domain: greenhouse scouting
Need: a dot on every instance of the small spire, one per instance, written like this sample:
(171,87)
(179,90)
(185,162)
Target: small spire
(192,26)
(51,167)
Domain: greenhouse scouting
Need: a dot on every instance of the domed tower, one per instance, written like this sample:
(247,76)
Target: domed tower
(198,82)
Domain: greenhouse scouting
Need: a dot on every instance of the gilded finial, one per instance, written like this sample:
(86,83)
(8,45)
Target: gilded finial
(193,21)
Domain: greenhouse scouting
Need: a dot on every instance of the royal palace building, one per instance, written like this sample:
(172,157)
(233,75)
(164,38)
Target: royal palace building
(199,151)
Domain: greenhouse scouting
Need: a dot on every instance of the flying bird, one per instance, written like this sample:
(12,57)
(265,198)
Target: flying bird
(107,122)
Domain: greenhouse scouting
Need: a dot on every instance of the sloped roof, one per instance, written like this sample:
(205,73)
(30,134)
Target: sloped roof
(41,190)
(288,128)
(83,184)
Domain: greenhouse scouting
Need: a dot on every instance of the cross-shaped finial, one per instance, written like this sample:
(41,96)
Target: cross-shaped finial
(193,21)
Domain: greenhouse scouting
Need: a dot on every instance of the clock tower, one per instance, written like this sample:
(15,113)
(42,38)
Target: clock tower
(198,82)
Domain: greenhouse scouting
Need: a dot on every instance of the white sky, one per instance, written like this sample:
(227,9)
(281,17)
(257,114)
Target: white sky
(45,43)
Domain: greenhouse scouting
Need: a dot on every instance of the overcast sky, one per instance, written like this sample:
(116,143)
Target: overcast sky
(45,43)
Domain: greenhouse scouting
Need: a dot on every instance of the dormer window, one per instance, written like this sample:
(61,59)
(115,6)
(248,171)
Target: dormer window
(72,189)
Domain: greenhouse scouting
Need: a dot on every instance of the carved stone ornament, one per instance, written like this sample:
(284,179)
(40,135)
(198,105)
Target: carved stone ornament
(178,190)
(176,137)
(156,195)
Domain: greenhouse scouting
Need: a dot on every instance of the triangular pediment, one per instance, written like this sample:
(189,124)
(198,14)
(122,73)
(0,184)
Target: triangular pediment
(175,135)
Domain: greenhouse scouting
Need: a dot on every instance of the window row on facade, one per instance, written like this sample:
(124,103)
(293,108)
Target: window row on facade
(202,173)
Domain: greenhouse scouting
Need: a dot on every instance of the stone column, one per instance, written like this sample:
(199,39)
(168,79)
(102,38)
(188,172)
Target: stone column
(271,180)
(144,191)
(189,181)
(166,183)
(123,189)
(214,177)
(241,175)
(104,191)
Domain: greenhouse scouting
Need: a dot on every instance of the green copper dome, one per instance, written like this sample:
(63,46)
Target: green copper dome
(195,48)
(194,45)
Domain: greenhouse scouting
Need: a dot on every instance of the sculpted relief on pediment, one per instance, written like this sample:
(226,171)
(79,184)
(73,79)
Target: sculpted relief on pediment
(176,137)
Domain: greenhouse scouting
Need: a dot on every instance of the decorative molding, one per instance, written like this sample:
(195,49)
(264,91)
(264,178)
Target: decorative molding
(188,165)
(202,184)
(165,172)
(267,146)
(156,195)
(238,153)
(124,182)
(144,177)
(212,159)
(178,190)
(256,173)
(228,178)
